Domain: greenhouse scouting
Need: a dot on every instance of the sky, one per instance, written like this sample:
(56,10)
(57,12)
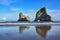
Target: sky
(10,9)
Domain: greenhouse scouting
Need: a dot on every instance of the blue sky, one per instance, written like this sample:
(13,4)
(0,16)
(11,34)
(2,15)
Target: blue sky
(10,9)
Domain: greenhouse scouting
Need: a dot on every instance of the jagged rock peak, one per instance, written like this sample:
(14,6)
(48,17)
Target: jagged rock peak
(42,15)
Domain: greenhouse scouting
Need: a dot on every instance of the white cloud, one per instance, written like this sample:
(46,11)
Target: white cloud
(55,14)
(7,2)
(4,18)
(53,10)
(15,9)
(9,16)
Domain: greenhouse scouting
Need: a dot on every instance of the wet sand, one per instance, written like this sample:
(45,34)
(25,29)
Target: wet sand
(30,32)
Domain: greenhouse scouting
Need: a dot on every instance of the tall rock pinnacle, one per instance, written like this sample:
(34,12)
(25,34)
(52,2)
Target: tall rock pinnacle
(42,15)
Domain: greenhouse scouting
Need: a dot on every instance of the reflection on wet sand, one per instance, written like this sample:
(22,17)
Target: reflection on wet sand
(22,28)
(43,30)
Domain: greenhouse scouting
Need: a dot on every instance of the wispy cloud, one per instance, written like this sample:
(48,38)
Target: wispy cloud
(15,9)
(7,2)
(55,14)
(31,13)
(53,10)
(10,17)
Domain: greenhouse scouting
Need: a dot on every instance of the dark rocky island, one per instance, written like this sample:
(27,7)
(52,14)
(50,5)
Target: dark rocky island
(42,15)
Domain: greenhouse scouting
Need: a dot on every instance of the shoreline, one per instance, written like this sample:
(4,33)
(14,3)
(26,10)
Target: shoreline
(29,24)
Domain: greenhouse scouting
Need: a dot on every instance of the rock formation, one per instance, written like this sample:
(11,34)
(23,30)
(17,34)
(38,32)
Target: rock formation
(42,15)
(23,18)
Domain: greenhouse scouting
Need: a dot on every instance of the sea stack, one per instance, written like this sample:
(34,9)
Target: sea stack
(42,15)
(23,18)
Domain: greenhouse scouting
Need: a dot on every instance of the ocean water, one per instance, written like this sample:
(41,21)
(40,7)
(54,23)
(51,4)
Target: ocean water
(42,32)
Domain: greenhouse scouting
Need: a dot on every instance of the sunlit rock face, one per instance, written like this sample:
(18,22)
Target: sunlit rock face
(42,15)
(23,18)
